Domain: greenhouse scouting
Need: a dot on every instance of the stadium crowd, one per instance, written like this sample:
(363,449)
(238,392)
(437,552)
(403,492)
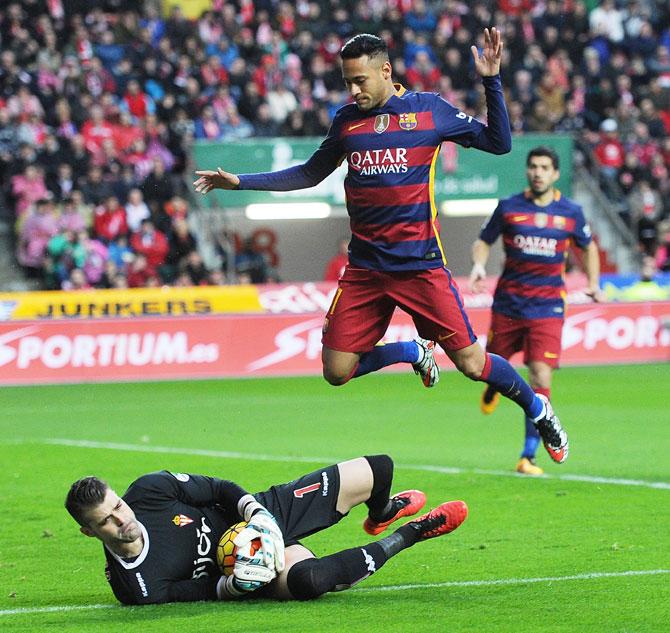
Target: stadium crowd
(101,100)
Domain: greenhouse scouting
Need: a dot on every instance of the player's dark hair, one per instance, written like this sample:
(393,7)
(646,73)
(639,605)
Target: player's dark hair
(365,44)
(543,150)
(84,494)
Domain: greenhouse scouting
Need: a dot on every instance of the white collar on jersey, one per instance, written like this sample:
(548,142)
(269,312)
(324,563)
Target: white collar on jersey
(143,554)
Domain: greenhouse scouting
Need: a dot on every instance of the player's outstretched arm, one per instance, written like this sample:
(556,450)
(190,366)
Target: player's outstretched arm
(218,179)
(488,63)
(592,269)
(480,255)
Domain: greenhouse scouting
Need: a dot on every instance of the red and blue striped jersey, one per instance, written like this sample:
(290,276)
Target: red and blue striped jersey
(536,241)
(391,152)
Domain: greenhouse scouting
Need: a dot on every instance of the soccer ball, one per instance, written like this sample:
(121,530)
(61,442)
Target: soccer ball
(226,550)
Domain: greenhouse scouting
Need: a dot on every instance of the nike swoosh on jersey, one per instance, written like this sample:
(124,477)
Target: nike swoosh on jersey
(353,127)
(550,355)
(519,218)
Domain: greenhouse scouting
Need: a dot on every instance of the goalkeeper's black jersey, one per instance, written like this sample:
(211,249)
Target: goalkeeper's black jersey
(182,518)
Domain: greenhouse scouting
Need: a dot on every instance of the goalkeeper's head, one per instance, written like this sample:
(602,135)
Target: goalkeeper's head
(101,513)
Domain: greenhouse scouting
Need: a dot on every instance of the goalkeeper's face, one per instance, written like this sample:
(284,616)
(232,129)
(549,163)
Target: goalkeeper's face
(112,521)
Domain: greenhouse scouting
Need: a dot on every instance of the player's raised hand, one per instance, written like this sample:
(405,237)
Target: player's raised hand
(488,63)
(218,179)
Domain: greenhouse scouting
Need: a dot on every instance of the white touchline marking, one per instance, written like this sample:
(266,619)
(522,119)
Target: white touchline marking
(428,585)
(147,448)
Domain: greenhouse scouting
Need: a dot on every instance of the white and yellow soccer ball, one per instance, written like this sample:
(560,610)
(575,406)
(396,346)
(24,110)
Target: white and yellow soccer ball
(226,550)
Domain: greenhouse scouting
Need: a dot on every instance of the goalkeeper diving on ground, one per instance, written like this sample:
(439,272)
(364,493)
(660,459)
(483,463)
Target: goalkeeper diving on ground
(160,538)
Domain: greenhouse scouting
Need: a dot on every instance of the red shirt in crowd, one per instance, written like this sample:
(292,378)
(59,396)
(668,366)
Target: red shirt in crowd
(610,153)
(151,243)
(109,221)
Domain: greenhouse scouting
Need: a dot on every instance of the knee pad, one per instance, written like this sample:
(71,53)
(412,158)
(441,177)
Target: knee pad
(382,472)
(305,582)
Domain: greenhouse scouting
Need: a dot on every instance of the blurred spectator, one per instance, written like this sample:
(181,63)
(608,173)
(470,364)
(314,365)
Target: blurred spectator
(422,75)
(207,126)
(109,220)
(663,250)
(609,151)
(96,129)
(139,272)
(70,218)
(76,281)
(136,210)
(281,102)
(151,243)
(646,205)
(336,264)
(195,268)
(250,265)
(646,289)
(27,188)
(37,229)
(120,253)
(95,257)
(95,190)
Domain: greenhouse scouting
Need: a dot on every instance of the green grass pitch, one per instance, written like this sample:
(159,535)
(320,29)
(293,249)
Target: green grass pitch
(551,554)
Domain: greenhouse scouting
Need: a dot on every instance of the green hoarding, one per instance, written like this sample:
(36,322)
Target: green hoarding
(460,173)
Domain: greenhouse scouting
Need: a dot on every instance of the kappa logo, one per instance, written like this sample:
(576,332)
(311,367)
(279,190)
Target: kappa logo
(369,561)
(142,584)
(407,121)
(356,125)
(381,123)
(181,520)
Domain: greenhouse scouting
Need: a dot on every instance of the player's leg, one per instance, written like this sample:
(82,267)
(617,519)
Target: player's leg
(433,299)
(306,577)
(539,378)
(542,350)
(368,480)
(497,372)
(340,367)
(505,338)
(356,321)
(321,498)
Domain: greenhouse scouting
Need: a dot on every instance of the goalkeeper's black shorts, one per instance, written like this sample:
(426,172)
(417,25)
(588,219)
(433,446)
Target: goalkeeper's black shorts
(305,505)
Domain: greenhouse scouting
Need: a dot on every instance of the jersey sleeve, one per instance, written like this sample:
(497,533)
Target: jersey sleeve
(582,235)
(318,166)
(492,228)
(457,126)
(195,490)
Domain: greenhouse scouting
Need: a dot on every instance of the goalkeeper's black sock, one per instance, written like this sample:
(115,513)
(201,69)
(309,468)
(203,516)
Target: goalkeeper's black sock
(313,577)
(379,505)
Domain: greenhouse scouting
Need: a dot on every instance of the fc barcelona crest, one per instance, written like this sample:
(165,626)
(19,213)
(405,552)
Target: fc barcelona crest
(407,121)
(559,222)
(382,122)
